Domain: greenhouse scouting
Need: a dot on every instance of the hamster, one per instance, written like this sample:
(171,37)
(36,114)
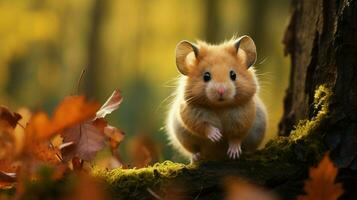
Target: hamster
(216,112)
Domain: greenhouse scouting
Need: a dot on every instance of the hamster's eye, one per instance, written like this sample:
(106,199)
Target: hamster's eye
(233,75)
(207,76)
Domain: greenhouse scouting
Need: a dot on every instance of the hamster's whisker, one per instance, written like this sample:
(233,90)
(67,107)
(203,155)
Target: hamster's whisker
(164,101)
(173,81)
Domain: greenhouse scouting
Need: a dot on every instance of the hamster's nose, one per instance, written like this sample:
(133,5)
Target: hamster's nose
(221,90)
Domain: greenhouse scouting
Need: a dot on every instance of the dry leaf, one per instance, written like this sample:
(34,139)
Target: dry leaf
(87,141)
(237,189)
(89,188)
(7,179)
(71,111)
(114,135)
(88,138)
(110,105)
(321,185)
(45,152)
(143,150)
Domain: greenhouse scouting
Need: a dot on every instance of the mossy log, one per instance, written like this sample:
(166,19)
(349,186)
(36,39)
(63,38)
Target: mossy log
(278,167)
(281,166)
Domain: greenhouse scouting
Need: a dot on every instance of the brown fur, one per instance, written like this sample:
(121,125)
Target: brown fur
(197,107)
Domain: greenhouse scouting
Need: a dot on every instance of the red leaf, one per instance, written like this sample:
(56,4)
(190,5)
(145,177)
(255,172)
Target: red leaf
(110,105)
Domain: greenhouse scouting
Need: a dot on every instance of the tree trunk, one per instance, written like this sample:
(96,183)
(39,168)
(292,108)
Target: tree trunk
(320,114)
(322,43)
(321,40)
(94,40)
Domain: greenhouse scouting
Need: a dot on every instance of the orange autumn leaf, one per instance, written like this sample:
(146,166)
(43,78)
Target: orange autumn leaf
(44,152)
(143,150)
(321,185)
(239,189)
(71,111)
(89,187)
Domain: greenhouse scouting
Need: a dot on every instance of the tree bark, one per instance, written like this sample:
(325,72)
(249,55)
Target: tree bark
(322,43)
(321,40)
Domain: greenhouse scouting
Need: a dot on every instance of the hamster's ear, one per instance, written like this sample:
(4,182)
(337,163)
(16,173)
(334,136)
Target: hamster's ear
(245,47)
(183,49)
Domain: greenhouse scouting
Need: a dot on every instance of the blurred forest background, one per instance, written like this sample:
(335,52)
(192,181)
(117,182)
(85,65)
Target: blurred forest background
(45,44)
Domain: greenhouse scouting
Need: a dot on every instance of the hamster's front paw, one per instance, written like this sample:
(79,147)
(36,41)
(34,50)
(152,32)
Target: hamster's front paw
(234,150)
(214,134)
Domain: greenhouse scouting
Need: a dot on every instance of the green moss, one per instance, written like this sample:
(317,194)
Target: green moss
(125,183)
(321,106)
(305,143)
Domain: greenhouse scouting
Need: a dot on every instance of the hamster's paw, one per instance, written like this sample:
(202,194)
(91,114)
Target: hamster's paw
(234,150)
(214,134)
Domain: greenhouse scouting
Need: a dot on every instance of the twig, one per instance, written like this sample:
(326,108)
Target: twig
(154,194)
(80,80)
(18,123)
(58,156)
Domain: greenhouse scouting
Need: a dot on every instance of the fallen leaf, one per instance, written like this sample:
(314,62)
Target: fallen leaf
(110,105)
(8,118)
(321,185)
(87,141)
(7,180)
(89,137)
(45,152)
(89,188)
(71,111)
(9,165)
(114,135)
(143,150)
(238,189)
